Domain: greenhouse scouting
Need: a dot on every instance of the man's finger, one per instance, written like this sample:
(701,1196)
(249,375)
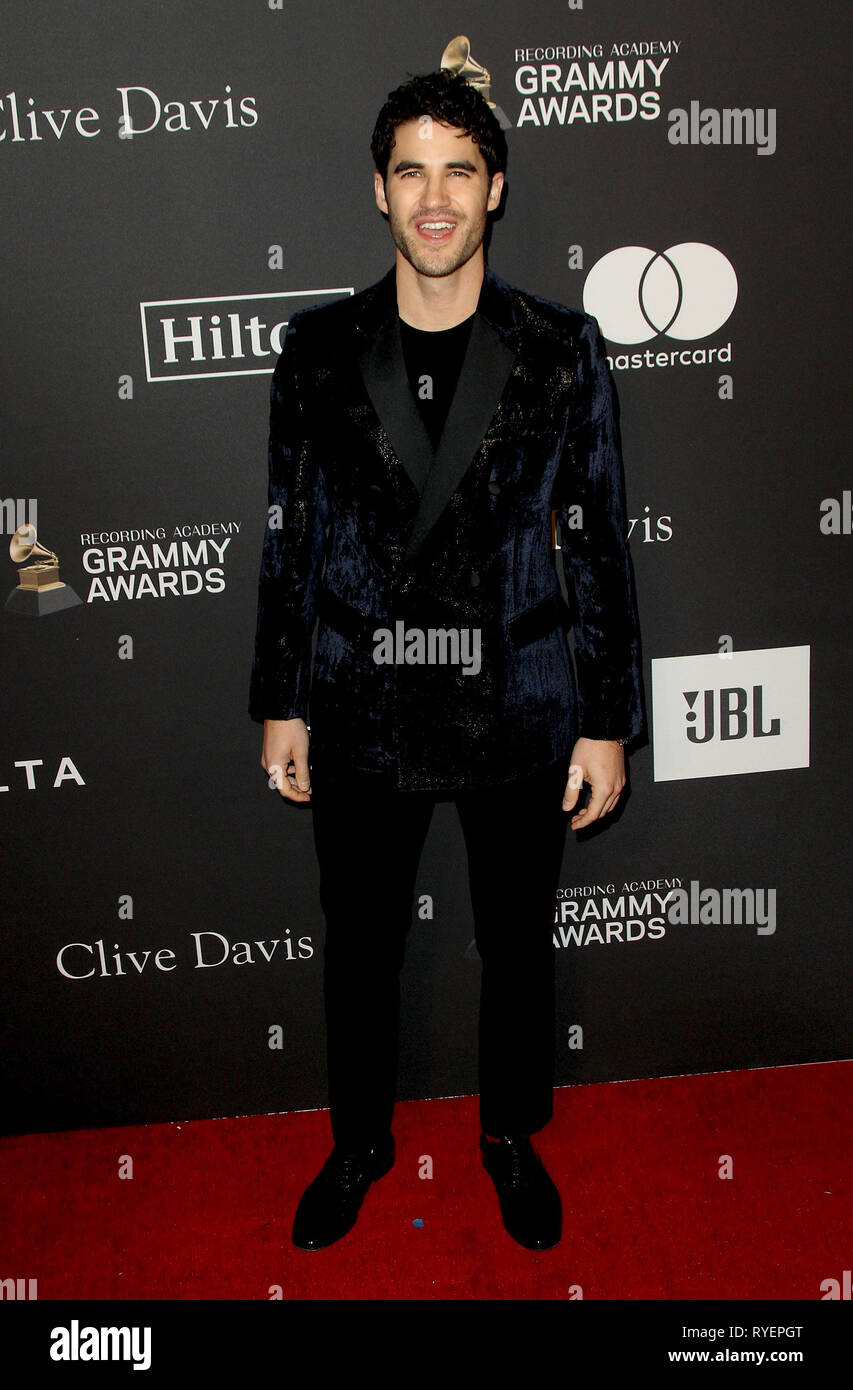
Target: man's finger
(573,786)
(609,803)
(300,763)
(291,792)
(283,780)
(592,810)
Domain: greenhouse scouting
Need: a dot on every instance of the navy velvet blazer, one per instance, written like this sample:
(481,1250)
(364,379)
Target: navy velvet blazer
(374,528)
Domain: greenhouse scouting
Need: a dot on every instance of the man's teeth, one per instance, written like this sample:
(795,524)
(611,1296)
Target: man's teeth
(435,226)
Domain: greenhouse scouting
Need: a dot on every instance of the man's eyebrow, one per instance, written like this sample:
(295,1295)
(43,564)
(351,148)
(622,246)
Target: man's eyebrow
(450,164)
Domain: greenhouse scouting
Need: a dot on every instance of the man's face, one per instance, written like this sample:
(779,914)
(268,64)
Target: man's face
(436,195)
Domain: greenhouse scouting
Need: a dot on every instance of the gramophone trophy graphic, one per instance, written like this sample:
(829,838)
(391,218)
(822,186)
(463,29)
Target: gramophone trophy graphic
(456,58)
(40,589)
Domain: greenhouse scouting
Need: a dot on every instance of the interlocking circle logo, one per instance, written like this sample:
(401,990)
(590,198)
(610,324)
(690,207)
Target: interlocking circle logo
(686,292)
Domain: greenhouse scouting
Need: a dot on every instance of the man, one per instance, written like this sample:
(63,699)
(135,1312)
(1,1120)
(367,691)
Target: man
(421,434)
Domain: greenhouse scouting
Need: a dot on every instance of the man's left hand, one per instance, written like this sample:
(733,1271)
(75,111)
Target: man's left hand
(601,762)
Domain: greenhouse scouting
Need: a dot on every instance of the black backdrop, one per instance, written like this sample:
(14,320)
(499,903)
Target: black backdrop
(134,810)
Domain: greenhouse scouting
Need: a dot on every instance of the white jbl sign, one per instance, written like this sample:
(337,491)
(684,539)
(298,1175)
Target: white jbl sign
(725,713)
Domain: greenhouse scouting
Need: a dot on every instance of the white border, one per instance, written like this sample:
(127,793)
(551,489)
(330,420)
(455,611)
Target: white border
(219,299)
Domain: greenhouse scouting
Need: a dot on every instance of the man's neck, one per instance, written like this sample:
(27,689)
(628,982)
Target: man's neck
(434,302)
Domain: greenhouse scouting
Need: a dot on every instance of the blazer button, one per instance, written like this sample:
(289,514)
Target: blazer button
(374,487)
(494,489)
(475,579)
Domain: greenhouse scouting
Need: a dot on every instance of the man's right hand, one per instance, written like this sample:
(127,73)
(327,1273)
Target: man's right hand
(285,757)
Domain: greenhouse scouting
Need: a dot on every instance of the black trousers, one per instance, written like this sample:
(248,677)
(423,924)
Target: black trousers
(369,837)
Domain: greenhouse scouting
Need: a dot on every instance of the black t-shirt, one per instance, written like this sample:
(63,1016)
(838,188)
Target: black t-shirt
(433,363)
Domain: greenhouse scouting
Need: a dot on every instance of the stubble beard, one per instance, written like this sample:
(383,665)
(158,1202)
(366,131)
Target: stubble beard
(436,263)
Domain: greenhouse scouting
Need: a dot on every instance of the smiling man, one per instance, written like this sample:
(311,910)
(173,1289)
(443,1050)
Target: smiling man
(440,197)
(421,434)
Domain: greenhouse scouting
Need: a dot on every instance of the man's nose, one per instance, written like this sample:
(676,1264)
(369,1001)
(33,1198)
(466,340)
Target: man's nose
(436,193)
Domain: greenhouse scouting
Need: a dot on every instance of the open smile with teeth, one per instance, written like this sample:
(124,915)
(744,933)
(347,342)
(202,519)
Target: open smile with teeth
(438,230)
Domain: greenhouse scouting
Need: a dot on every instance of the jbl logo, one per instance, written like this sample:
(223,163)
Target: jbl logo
(730,713)
(713,718)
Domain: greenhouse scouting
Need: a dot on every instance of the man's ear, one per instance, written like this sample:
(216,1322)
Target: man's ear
(495,192)
(379,192)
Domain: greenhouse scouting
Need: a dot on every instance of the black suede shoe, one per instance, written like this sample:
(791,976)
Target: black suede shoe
(330,1205)
(530,1203)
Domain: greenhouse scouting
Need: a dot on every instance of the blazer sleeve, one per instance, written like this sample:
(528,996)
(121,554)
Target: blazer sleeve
(293,549)
(594,554)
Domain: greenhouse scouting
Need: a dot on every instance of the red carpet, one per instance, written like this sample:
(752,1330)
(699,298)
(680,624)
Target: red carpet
(208,1212)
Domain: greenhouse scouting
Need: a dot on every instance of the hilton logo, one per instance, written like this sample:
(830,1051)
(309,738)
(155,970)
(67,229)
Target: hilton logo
(729,713)
(225,335)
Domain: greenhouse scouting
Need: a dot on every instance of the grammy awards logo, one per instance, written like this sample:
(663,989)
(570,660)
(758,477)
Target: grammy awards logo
(39,590)
(457,59)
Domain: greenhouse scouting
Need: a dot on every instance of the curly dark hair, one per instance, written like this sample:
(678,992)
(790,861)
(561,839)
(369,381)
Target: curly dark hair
(447,98)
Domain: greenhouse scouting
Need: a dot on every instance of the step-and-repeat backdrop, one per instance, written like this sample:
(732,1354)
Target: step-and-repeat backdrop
(178,180)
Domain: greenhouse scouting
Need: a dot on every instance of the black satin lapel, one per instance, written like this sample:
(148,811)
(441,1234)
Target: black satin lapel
(383,370)
(485,372)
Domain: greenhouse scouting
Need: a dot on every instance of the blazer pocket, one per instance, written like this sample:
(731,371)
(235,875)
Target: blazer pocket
(539,620)
(345,619)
